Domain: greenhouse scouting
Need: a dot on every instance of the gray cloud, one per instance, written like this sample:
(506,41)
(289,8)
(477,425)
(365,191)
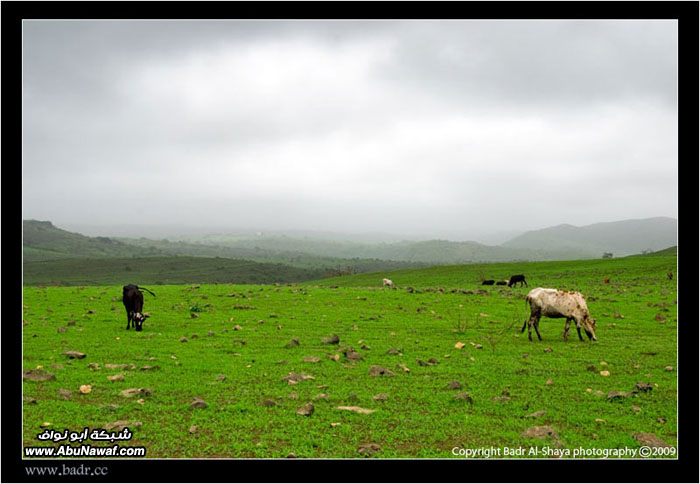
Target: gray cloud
(438,129)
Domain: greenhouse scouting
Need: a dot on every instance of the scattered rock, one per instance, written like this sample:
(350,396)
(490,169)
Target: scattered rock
(63,393)
(459,345)
(148,367)
(131,392)
(292,343)
(650,440)
(312,359)
(369,449)
(74,354)
(118,377)
(548,350)
(618,395)
(37,375)
(643,387)
(269,403)
(307,410)
(378,370)
(454,385)
(465,396)
(332,340)
(193,429)
(668,368)
(183,339)
(537,414)
(394,351)
(61,329)
(353,355)
(500,399)
(198,403)
(660,318)
(220,377)
(294,378)
(85,389)
(363,411)
(540,432)
(380,397)
(605,373)
(94,366)
(120,366)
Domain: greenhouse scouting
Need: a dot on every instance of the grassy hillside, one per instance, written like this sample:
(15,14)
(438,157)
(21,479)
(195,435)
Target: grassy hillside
(44,241)
(160,270)
(537,274)
(457,372)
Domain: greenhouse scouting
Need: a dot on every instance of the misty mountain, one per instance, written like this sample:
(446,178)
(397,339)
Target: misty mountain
(44,241)
(625,237)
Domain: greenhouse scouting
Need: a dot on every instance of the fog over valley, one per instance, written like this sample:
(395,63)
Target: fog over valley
(369,130)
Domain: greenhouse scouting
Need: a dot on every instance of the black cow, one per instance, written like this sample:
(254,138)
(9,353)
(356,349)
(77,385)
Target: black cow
(517,278)
(132,298)
(488,282)
(501,283)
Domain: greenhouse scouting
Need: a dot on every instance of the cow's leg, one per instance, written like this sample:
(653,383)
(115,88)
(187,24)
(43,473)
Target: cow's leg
(578,328)
(128,320)
(524,325)
(566,329)
(537,328)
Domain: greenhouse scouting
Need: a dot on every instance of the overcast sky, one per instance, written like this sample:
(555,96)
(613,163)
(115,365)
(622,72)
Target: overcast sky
(437,129)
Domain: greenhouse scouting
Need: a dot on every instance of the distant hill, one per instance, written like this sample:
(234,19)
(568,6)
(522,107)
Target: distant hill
(428,252)
(626,237)
(44,241)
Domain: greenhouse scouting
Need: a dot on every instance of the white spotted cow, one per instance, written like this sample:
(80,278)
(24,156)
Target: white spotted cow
(553,303)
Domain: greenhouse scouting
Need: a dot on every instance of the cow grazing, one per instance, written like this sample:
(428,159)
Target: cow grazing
(132,298)
(388,282)
(553,303)
(501,283)
(517,278)
(488,282)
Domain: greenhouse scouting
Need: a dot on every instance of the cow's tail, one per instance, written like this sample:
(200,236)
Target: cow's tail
(148,290)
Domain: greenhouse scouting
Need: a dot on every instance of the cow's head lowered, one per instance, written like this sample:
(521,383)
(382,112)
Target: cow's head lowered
(589,327)
(138,319)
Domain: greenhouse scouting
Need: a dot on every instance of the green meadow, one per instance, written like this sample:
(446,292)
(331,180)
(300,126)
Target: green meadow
(455,371)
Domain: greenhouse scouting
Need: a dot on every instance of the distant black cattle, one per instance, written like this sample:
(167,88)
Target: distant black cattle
(488,282)
(132,298)
(501,283)
(515,279)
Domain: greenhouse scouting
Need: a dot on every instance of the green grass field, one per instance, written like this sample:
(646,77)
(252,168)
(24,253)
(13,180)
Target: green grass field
(236,356)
